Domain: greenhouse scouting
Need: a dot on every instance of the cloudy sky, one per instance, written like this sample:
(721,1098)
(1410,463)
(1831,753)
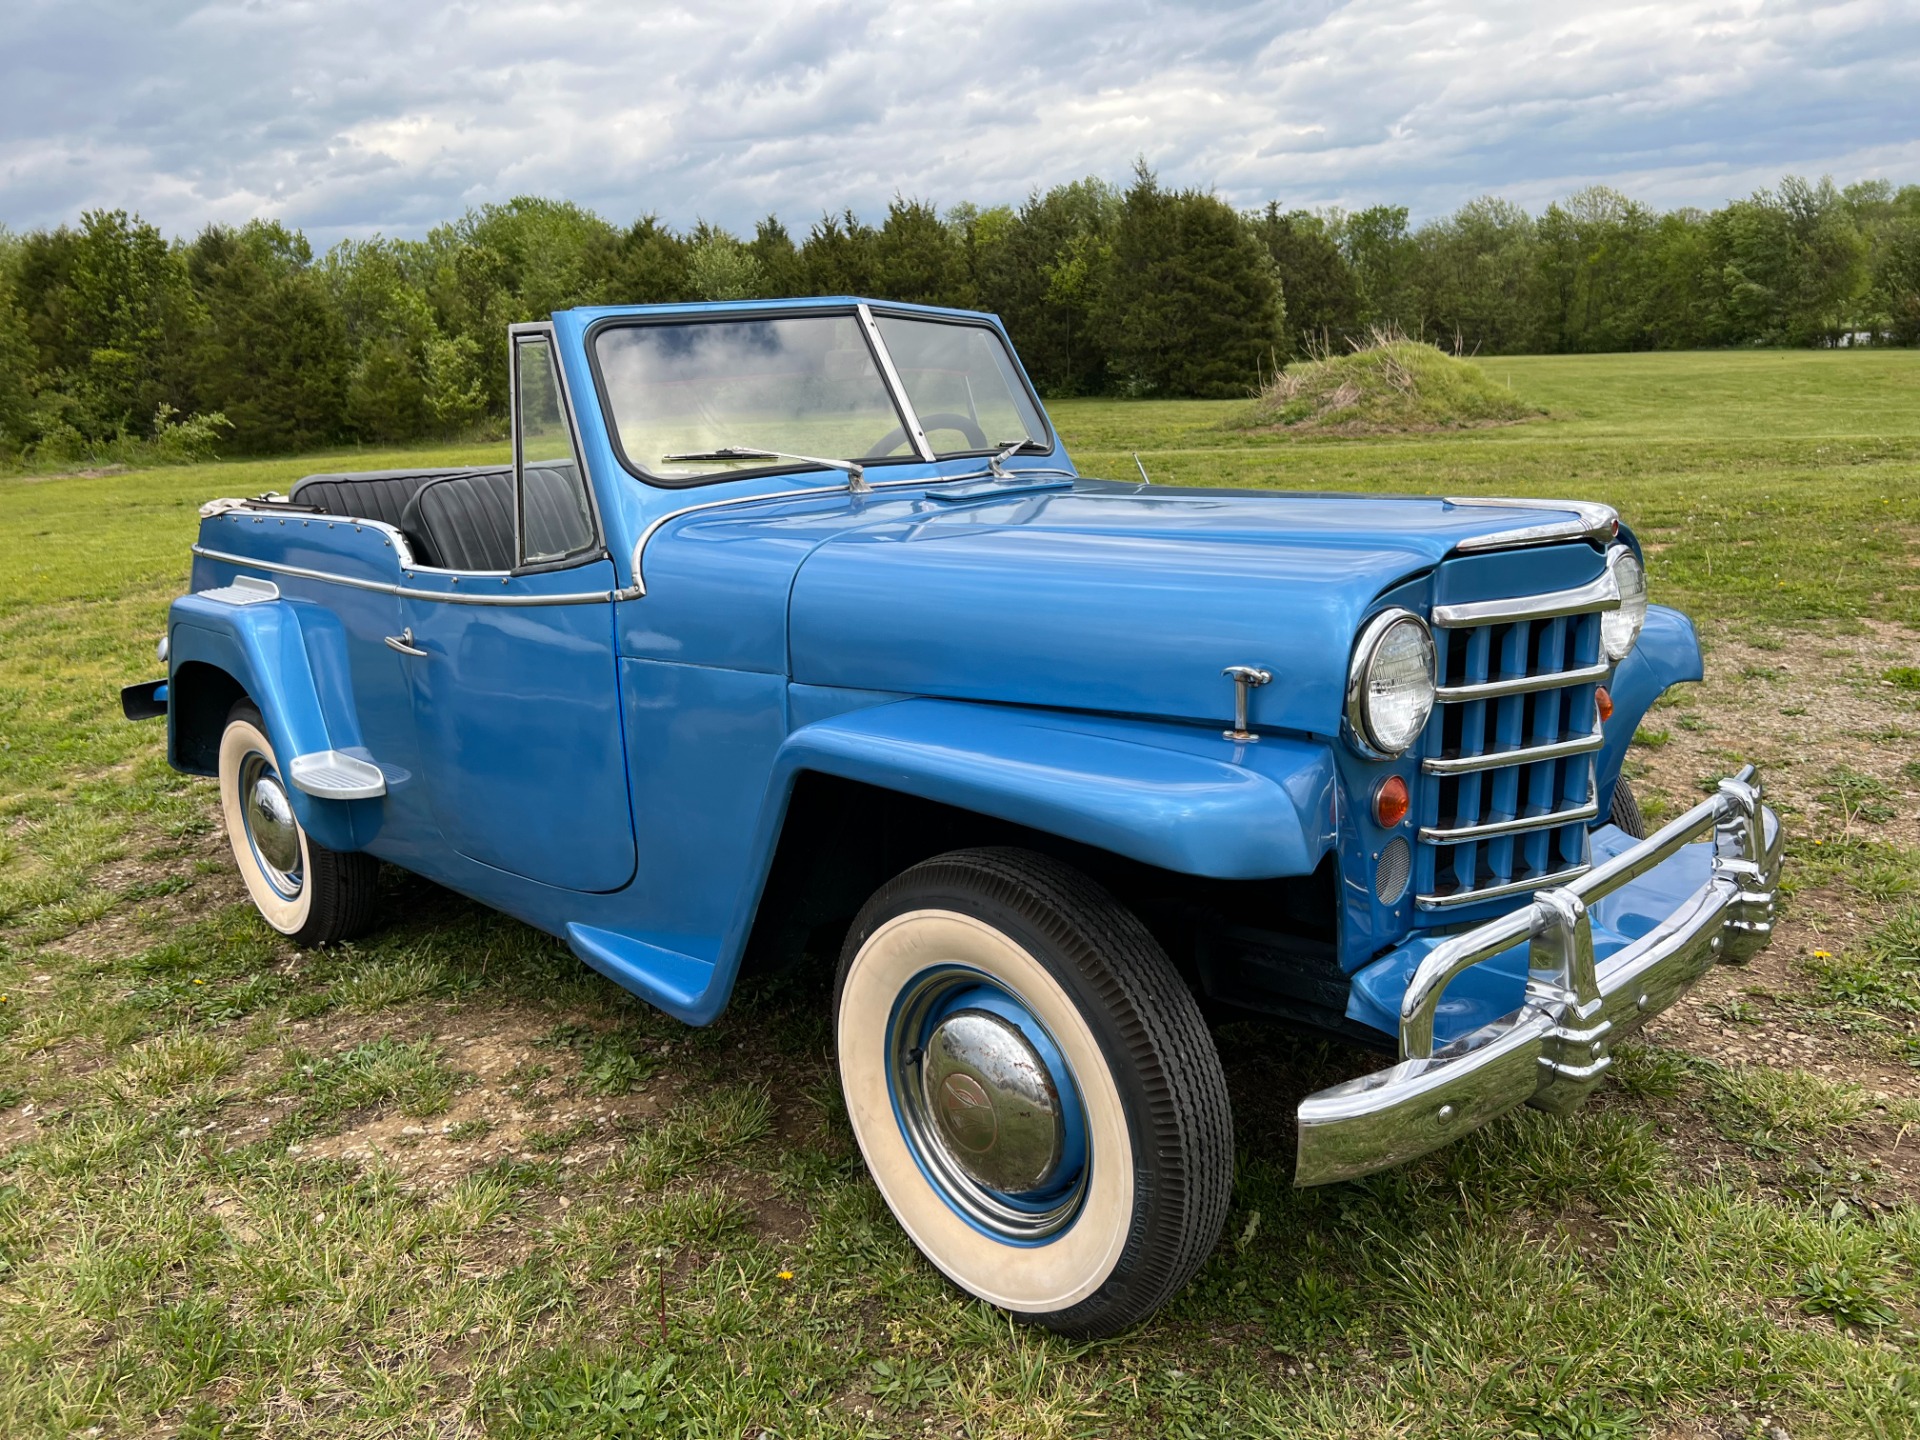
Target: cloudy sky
(348,117)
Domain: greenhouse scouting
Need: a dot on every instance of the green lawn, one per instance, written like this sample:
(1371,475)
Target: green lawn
(448,1181)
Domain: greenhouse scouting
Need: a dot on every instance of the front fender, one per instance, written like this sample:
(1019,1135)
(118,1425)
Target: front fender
(292,666)
(1668,653)
(1179,797)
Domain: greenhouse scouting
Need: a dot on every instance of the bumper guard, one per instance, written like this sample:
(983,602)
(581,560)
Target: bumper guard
(1553,1050)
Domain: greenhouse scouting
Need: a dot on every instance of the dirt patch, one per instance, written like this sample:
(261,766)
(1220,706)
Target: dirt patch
(503,1112)
(173,888)
(1799,706)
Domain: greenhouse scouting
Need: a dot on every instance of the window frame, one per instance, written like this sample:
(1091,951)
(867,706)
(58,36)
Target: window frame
(518,337)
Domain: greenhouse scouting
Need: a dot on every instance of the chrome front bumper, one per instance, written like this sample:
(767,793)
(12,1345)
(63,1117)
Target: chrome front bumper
(1553,1050)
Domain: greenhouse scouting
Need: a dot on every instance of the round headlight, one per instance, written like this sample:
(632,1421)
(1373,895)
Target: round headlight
(1620,628)
(1390,684)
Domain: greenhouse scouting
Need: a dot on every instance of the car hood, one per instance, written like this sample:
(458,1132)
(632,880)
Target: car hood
(1121,600)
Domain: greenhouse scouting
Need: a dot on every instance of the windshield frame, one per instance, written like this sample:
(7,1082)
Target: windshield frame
(935,317)
(864,315)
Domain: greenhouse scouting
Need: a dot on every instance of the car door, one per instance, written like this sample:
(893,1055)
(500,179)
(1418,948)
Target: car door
(509,641)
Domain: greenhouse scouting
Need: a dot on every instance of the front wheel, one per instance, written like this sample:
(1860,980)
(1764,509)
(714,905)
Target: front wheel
(1033,1088)
(310,894)
(1626,810)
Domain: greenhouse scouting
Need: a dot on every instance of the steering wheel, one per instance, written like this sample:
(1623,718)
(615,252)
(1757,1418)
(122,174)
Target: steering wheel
(939,420)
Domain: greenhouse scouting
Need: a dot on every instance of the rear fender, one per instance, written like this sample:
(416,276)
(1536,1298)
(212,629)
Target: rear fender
(1667,654)
(291,662)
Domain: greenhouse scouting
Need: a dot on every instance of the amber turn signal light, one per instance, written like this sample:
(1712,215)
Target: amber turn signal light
(1603,702)
(1390,801)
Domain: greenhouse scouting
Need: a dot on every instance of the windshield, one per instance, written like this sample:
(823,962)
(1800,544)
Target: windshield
(962,385)
(806,384)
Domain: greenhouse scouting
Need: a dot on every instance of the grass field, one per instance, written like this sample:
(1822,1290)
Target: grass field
(449,1182)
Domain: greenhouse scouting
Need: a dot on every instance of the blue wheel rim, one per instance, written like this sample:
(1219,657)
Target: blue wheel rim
(1032,1216)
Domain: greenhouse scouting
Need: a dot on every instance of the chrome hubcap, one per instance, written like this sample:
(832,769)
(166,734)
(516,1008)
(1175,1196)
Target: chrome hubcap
(271,829)
(994,1106)
(988,1105)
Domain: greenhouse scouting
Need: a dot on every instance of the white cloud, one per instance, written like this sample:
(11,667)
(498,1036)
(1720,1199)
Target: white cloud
(354,116)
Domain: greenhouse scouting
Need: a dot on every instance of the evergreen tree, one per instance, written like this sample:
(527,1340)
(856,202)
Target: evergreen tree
(646,264)
(782,274)
(918,259)
(1323,306)
(272,354)
(1045,271)
(1193,307)
(838,256)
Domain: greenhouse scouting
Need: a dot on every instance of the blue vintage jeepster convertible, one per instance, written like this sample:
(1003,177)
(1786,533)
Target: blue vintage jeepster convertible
(793,625)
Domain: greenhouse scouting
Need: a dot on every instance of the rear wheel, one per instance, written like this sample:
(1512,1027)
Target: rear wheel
(1033,1088)
(310,894)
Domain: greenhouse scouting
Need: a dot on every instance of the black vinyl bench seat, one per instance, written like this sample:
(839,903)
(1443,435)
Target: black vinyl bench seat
(456,519)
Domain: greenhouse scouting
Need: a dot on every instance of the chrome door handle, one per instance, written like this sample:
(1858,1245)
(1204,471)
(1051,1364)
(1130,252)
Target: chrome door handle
(403,642)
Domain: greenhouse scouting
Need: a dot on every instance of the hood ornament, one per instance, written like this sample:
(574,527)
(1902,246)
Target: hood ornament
(1245,678)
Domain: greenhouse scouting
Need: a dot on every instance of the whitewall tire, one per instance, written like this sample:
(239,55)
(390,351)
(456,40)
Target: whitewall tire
(310,894)
(1033,1089)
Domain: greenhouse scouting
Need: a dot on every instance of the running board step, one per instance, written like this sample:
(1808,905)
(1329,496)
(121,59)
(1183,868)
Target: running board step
(330,775)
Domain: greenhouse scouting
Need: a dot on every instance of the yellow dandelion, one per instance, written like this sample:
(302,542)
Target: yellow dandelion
(786,1274)
(1823,955)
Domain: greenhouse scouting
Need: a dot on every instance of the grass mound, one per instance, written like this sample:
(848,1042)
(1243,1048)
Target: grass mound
(1391,383)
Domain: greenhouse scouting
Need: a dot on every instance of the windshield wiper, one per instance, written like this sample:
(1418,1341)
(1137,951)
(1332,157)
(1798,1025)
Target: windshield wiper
(855,472)
(996,466)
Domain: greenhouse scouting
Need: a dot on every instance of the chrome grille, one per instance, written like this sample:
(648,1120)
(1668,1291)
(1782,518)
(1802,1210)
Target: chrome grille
(1507,788)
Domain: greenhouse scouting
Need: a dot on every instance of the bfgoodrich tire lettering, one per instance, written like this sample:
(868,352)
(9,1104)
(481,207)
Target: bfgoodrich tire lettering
(323,896)
(1158,1129)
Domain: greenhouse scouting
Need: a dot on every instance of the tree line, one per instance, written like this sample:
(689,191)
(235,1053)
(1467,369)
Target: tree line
(112,333)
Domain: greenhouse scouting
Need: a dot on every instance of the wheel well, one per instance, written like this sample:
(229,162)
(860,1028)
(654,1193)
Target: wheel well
(199,696)
(1250,946)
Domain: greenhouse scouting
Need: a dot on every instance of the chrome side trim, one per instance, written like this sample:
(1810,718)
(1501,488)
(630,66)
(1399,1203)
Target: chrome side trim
(1494,892)
(894,383)
(1499,759)
(451,597)
(1602,593)
(1595,522)
(1433,836)
(1523,684)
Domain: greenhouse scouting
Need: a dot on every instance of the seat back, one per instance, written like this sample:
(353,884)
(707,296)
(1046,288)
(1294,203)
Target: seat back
(465,521)
(367,495)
